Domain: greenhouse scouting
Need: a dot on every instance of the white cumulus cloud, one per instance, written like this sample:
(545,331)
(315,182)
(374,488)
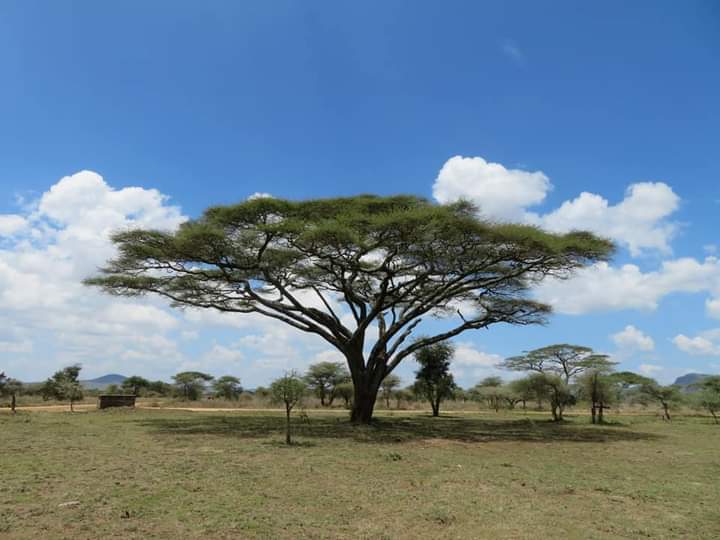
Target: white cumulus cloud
(633,339)
(639,222)
(500,193)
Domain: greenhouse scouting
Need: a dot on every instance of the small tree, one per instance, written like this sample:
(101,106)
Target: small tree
(433,380)
(402,394)
(708,395)
(64,385)
(345,392)
(323,379)
(600,390)
(227,387)
(555,390)
(135,384)
(389,384)
(191,384)
(288,390)
(564,360)
(10,387)
(524,390)
(489,390)
(665,396)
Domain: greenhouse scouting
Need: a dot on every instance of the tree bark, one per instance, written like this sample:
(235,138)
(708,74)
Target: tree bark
(287,425)
(363,404)
(667,413)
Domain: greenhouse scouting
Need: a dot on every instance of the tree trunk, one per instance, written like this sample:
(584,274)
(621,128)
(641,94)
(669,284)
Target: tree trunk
(524,406)
(287,425)
(363,403)
(71,405)
(711,412)
(13,403)
(593,413)
(667,413)
(553,407)
(601,416)
(435,404)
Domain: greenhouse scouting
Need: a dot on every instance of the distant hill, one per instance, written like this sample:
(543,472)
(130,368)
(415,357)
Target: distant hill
(690,378)
(103,382)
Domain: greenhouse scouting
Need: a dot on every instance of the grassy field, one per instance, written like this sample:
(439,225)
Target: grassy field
(177,474)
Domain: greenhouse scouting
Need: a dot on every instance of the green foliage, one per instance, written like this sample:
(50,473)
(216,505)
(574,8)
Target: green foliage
(388,386)
(191,384)
(552,387)
(10,387)
(324,377)
(600,390)
(380,256)
(563,359)
(666,396)
(227,387)
(136,385)
(64,385)
(433,380)
(345,391)
(628,379)
(708,395)
(160,388)
(288,390)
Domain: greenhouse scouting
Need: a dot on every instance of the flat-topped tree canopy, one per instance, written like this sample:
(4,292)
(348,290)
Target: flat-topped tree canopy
(388,260)
(561,359)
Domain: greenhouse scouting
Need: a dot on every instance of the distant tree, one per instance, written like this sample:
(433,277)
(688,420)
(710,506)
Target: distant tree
(564,360)
(433,380)
(600,390)
(628,379)
(510,396)
(10,387)
(554,388)
(64,385)
(402,394)
(388,386)
(191,384)
(708,395)
(227,387)
(492,381)
(112,389)
(160,388)
(323,379)
(136,385)
(392,262)
(345,391)
(525,391)
(288,390)
(262,392)
(491,391)
(665,396)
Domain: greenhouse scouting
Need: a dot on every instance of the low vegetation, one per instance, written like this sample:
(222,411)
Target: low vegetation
(174,474)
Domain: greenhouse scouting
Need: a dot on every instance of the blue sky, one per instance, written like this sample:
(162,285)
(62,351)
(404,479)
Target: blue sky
(200,104)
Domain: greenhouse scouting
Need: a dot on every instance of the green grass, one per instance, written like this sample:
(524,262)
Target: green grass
(175,474)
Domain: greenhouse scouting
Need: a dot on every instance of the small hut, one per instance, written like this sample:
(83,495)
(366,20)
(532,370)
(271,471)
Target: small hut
(116,400)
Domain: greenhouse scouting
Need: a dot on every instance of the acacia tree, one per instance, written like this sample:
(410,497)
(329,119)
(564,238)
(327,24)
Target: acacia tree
(10,387)
(555,390)
(191,384)
(135,384)
(708,395)
(388,262)
(600,390)
(563,359)
(324,377)
(433,380)
(490,390)
(227,387)
(665,396)
(289,391)
(65,385)
(388,386)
